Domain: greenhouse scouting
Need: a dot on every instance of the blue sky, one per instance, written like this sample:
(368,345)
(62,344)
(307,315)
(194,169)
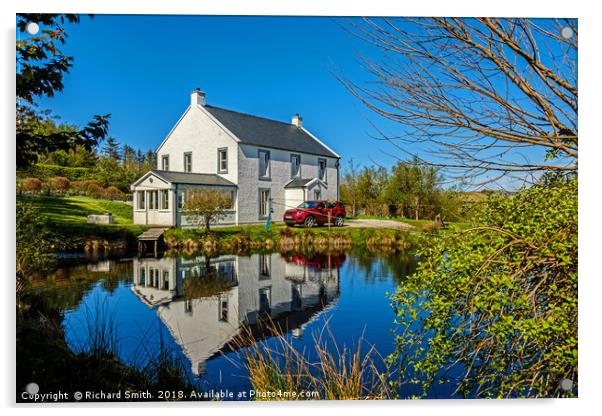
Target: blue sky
(141,69)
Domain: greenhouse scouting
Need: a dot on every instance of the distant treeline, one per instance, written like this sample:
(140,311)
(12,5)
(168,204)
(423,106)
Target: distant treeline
(410,189)
(106,172)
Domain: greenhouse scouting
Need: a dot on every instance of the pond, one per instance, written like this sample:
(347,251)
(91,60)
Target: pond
(194,307)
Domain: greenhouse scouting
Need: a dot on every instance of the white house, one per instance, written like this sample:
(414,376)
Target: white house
(253,159)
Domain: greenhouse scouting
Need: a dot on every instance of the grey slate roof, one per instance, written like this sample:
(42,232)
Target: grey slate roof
(261,131)
(192,178)
(298,183)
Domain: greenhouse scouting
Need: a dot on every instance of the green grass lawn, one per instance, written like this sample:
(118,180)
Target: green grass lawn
(67,216)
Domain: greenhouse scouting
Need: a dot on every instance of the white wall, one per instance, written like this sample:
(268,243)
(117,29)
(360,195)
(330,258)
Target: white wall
(196,132)
(156,216)
(249,182)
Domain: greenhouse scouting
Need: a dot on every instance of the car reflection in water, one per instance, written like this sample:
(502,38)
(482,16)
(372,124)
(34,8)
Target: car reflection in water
(204,302)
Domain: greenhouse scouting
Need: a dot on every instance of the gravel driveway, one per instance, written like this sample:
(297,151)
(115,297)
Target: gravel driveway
(364,223)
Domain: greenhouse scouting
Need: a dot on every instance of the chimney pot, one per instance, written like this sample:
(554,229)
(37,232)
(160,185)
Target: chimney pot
(197,97)
(297,121)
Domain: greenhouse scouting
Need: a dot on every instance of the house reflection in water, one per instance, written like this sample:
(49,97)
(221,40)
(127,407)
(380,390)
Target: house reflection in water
(204,302)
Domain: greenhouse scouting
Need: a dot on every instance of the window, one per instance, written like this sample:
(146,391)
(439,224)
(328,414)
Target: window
(264,202)
(230,197)
(317,194)
(154,278)
(165,282)
(264,164)
(265,299)
(153,199)
(165,162)
(295,166)
(308,205)
(164,199)
(142,276)
(322,169)
(222,160)
(141,200)
(188,162)
(296,299)
(181,199)
(264,267)
(223,309)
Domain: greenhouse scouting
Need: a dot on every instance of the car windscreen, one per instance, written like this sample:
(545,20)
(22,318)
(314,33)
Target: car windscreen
(308,205)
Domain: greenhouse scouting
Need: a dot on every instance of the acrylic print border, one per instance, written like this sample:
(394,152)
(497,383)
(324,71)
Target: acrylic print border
(586,324)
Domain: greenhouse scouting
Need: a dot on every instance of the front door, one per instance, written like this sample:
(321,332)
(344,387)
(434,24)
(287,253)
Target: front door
(152,206)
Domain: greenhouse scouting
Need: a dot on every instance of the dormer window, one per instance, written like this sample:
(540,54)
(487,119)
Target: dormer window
(188,162)
(295,166)
(165,162)
(322,169)
(222,160)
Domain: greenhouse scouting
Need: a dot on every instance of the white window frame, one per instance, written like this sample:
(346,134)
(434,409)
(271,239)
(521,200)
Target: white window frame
(261,206)
(268,170)
(222,151)
(188,166)
(164,199)
(141,200)
(295,156)
(325,171)
(164,165)
(153,200)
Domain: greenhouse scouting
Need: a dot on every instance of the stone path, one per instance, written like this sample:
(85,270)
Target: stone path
(365,223)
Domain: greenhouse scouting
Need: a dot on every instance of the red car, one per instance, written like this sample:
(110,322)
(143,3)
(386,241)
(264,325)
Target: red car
(311,213)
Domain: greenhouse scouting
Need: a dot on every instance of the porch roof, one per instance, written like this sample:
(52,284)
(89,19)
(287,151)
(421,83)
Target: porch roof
(188,178)
(301,183)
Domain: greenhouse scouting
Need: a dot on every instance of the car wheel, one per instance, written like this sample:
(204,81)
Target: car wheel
(309,221)
(338,221)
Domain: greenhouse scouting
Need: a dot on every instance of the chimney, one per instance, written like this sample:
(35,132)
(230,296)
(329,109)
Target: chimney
(297,121)
(197,97)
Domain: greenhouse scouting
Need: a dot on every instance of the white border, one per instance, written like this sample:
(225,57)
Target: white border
(591,151)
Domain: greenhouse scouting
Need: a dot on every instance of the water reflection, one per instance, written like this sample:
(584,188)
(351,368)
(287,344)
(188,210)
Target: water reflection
(204,301)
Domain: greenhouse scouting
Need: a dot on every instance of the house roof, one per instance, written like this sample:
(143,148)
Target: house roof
(261,131)
(192,178)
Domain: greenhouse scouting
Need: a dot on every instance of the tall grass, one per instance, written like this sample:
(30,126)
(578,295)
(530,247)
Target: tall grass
(339,373)
(151,366)
(100,329)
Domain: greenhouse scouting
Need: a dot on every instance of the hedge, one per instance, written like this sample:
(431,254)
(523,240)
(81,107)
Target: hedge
(46,172)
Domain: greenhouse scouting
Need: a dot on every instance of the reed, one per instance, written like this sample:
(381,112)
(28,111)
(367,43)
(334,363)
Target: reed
(338,373)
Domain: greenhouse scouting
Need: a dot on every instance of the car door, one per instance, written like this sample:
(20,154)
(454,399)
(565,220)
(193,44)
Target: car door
(321,213)
(328,212)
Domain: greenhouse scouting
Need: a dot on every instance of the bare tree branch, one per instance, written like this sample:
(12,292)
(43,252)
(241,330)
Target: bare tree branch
(484,94)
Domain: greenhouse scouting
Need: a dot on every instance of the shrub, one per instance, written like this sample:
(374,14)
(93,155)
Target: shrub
(46,172)
(79,187)
(205,206)
(33,241)
(59,184)
(95,190)
(497,301)
(31,185)
(112,193)
(91,186)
